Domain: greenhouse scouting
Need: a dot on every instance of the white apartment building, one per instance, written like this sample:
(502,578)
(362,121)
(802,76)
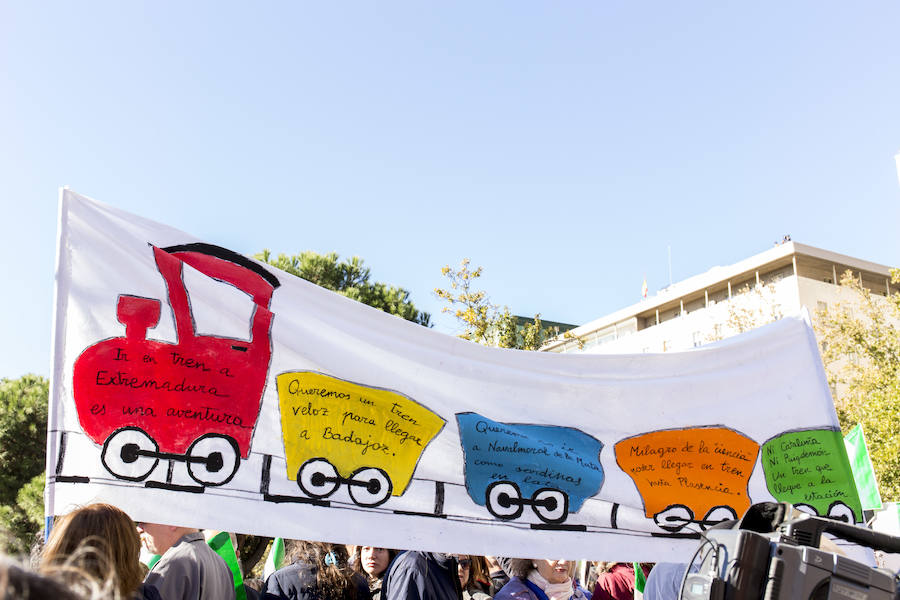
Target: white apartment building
(702,308)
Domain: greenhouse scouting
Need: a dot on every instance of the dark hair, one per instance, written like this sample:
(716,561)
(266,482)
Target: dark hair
(334,578)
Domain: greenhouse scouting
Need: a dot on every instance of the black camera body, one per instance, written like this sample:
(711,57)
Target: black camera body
(783,562)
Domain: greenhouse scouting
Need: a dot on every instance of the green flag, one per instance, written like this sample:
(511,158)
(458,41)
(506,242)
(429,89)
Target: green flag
(221,543)
(640,580)
(275,558)
(861,465)
(151,560)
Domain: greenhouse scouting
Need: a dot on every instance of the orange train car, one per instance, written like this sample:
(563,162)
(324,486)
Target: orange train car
(693,475)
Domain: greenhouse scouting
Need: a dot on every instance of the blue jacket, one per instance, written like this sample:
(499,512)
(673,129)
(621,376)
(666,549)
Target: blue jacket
(516,589)
(421,576)
(298,582)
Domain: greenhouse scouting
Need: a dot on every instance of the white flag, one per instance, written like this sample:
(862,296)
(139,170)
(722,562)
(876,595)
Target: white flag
(194,386)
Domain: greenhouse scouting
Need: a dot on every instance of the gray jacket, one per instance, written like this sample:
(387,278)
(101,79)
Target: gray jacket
(191,570)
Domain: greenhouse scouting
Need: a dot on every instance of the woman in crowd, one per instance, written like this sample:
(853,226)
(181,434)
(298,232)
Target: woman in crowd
(372,562)
(318,571)
(540,579)
(472,577)
(102,542)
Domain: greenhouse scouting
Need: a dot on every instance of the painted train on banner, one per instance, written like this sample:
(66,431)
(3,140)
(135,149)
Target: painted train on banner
(151,405)
(130,391)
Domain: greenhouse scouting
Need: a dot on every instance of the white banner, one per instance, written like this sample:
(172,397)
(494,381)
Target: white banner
(196,387)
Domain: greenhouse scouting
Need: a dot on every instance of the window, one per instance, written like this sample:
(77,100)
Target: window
(605,339)
(589,341)
(219,309)
(626,329)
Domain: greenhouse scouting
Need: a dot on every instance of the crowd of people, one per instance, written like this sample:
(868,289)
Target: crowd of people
(93,553)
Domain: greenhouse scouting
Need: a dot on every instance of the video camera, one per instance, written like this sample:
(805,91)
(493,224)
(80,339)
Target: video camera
(772,553)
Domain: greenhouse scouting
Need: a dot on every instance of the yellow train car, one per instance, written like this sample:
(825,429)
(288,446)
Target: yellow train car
(338,432)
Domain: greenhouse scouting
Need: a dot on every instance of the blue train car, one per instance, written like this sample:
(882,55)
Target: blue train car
(512,465)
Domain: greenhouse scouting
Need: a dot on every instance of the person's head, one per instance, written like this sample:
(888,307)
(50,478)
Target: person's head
(17,582)
(492,564)
(371,561)
(333,574)
(604,566)
(374,560)
(158,538)
(99,539)
(554,571)
(464,569)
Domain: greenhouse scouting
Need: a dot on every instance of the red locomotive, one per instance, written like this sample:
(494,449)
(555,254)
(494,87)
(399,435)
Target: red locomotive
(196,400)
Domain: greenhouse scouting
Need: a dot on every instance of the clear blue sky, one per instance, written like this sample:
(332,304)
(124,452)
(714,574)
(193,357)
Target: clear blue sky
(563,146)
